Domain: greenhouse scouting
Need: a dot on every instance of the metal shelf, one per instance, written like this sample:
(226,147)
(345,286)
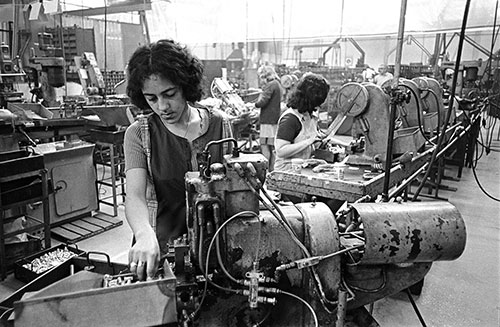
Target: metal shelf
(37,223)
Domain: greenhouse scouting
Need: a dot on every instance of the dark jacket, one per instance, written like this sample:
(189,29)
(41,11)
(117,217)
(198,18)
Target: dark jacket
(269,103)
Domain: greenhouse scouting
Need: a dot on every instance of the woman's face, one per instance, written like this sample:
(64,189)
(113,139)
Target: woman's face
(165,98)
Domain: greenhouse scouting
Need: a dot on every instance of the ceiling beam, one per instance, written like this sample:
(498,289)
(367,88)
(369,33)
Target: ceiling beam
(109,10)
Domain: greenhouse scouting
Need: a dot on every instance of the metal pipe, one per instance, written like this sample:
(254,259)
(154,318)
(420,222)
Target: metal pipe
(393,107)
(399,50)
(390,143)
(420,45)
(493,40)
(411,232)
(452,98)
(437,50)
(342,308)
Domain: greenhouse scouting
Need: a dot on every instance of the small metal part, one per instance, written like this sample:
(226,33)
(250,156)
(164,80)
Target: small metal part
(49,260)
(254,276)
(118,280)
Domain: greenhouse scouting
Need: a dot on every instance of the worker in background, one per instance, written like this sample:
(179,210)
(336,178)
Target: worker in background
(368,74)
(358,78)
(162,146)
(270,110)
(298,125)
(382,76)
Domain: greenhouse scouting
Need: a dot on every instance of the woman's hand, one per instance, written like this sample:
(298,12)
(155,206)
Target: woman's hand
(313,139)
(144,256)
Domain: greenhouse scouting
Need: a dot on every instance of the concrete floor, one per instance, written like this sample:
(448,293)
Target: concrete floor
(464,292)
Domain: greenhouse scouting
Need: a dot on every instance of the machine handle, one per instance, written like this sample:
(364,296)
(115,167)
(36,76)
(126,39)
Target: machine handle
(71,244)
(101,254)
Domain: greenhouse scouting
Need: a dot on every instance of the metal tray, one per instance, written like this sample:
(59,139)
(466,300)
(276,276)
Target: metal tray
(27,275)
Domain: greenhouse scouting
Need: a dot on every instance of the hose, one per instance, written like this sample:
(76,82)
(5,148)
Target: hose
(419,112)
(207,280)
(315,317)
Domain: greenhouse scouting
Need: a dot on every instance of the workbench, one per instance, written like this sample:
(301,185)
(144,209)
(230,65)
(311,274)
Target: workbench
(356,182)
(351,188)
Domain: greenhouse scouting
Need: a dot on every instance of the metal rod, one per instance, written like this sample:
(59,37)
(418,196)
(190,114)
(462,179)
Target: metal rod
(493,40)
(393,107)
(61,41)
(399,50)
(452,98)
(437,50)
(414,305)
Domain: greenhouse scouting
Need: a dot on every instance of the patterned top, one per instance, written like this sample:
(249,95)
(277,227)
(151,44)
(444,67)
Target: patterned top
(167,157)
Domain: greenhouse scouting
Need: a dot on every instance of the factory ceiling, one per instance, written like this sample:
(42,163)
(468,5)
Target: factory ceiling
(201,21)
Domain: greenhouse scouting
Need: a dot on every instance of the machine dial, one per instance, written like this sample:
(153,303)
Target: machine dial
(352,99)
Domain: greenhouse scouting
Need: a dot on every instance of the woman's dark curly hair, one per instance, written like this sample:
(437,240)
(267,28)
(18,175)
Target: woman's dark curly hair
(311,91)
(167,59)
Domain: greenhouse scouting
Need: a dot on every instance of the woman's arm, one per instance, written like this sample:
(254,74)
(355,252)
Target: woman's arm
(146,251)
(286,149)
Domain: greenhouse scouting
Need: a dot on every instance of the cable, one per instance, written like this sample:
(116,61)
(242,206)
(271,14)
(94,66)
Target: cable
(281,217)
(419,112)
(481,187)
(414,305)
(438,110)
(221,262)
(479,184)
(317,280)
(452,92)
(315,317)
(6,313)
(263,319)
(195,312)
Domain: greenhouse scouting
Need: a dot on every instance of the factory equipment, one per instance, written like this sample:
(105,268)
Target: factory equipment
(369,105)
(48,70)
(409,111)
(91,77)
(243,119)
(221,89)
(247,260)
(433,109)
(254,259)
(10,74)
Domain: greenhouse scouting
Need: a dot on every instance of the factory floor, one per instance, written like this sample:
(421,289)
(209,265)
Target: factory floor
(464,292)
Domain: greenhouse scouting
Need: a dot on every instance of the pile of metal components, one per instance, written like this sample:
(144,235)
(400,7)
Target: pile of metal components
(49,260)
(251,261)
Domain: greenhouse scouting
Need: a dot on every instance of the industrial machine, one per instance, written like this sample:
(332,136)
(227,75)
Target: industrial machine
(48,70)
(243,119)
(369,105)
(250,261)
(221,89)
(433,110)
(10,75)
(268,264)
(91,78)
